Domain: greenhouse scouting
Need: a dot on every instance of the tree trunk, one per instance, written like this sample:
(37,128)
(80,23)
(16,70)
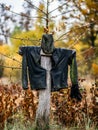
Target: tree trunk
(43,111)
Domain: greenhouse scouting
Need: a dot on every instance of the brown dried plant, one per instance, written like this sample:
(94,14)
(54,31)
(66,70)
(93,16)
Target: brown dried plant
(64,110)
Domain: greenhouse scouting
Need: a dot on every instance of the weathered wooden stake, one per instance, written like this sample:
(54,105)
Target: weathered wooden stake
(43,111)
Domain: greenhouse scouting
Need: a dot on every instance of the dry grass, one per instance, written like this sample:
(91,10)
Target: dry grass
(18,109)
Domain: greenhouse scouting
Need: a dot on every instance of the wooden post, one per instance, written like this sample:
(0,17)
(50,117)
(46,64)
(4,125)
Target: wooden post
(43,111)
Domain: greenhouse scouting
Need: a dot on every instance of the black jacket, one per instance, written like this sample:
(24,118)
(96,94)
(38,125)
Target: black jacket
(61,58)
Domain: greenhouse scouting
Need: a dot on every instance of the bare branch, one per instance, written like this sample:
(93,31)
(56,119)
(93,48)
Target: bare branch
(58,7)
(86,50)
(16,38)
(21,14)
(64,13)
(10,58)
(76,41)
(86,60)
(35,6)
(10,67)
(86,25)
(62,35)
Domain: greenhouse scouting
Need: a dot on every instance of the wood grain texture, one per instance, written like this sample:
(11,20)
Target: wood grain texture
(43,111)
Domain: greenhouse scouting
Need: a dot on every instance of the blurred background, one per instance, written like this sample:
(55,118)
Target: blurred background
(74,25)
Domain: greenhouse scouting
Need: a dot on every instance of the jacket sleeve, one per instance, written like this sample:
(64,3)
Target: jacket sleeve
(75,93)
(23,53)
(73,69)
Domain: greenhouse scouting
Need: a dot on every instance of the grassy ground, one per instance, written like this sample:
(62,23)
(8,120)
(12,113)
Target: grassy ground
(53,126)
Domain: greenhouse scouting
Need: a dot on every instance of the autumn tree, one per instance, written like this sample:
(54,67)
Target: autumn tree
(81,16)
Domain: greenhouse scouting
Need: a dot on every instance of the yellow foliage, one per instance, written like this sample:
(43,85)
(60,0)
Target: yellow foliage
(5,49)
(95,68)
(7,54)
(12,63)
(27,39)
(91,4)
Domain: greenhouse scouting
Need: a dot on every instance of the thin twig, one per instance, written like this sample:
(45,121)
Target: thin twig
(87,59)
(86,51)
(10,58)
(87,25)
(22,14)
(58,7)
(76,41)
(63,13)
(35,6)
(10,67)
(25,39)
